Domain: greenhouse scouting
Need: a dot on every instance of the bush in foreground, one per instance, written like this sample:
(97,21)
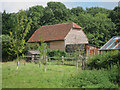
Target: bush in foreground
(110,61)
(90,79)
(104,61)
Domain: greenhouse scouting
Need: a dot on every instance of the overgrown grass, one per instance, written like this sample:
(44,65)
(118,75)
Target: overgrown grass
(31,76)
(57,76)
(91,79)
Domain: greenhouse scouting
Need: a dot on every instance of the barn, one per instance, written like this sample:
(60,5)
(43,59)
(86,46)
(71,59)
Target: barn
(60,36)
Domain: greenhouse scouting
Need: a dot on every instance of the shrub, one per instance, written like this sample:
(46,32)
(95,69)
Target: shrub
(109,61)
(104,61)
(31,47)
(5,49)
(90,79)
(114,74)
(56,53)
(8,55)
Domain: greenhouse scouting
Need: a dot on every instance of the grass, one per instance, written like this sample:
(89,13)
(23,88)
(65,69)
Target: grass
(0,75)
(31,76)
(57,76)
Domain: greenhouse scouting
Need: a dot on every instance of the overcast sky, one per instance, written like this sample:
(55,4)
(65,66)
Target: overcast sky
(16,5)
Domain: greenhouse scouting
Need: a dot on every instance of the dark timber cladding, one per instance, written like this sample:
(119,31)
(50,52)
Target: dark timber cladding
(58,36)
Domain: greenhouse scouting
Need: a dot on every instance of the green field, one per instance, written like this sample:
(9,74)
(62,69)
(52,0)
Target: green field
(31,76)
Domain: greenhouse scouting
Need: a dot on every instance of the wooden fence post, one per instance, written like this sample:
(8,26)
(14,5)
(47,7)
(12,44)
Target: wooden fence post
(46,60)
(32,57)
(63,60)
(24,62)
(83,63)
(76,64)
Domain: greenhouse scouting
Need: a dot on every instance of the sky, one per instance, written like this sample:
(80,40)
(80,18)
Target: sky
(15,5)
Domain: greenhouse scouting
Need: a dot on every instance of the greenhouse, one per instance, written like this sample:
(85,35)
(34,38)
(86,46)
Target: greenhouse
(112,44)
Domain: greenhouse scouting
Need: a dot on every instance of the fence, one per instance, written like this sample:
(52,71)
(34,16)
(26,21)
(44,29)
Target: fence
(62,59)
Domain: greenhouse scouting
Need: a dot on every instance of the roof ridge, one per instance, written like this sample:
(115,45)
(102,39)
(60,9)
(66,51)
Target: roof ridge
(58,24)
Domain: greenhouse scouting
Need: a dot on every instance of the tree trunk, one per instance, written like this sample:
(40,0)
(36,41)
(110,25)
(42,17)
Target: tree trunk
(39,64)
(17,56)
(17,61)
(17,64)
(45,67)
(46,60)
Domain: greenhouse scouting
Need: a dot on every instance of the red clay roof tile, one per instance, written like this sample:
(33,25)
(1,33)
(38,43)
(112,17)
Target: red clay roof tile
(52,32)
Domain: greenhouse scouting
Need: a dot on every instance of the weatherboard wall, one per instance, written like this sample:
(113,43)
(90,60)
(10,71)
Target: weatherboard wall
(76,36)
(58,45)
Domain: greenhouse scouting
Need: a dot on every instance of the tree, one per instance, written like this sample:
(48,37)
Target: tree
(8,22)
(77,10)
(99,24)
(43,54)
(5,45)
(36,14)
(17,37)
(99,29)
(48,16)
(55,13)
(95,10)
(115,17)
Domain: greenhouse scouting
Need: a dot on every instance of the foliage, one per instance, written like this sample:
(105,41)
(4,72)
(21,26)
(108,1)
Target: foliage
(109,61)
(43,51)
(80,50)
(95,10)
(5,45)
(36,14)
(104,61)
(43,54)
(8,22)
(59,10)
(99,24)
(94,20)
(55,13)
(77,10)
(56,53)
(31,46)
(115,17)
(96,27)
(17,37)
(90,79)
(114,74)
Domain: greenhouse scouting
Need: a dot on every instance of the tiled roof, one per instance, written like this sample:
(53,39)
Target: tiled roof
(112,44)
(52,32)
